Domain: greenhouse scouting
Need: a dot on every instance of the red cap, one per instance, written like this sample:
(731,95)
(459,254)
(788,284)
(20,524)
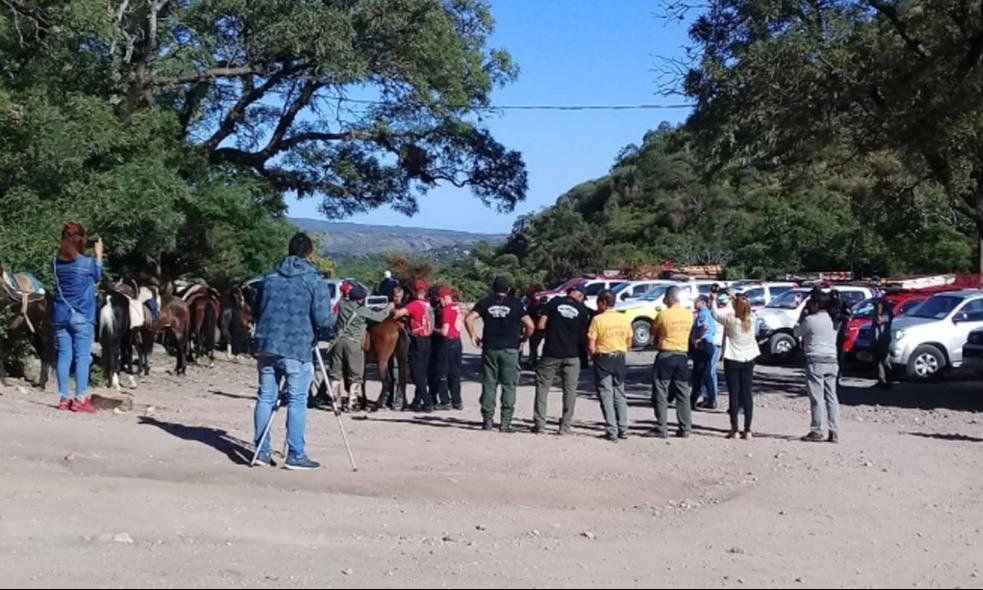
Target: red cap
(445,292)
(420,285)
(345,287)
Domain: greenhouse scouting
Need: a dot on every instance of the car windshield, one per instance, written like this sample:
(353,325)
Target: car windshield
(788,300)
(655,294)
(621,287)
(864,310)
(936,308)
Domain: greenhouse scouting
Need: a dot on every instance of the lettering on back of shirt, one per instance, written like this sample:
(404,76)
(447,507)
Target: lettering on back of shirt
(499,311)
(568,311)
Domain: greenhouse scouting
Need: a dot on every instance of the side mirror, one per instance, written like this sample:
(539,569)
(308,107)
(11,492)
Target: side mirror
(962,316)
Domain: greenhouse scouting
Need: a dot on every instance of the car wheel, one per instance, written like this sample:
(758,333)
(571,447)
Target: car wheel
(782,346)
(642,333)
(927,362)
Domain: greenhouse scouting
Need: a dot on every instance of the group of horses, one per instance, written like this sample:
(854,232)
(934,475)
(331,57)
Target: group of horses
(191,320)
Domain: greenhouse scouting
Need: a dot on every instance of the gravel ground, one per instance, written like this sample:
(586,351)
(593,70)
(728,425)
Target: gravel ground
(155,493)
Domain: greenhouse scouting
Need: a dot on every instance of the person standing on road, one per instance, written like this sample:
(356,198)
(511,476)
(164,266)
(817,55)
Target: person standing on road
(421,327)
(670,372)
(609,338)
(294,306)
(704,351)
(74,315)
(881,325)
(506,324)
(348,356)
(535,309)
(450,363)
(563,322)
(819,344)
(739,355)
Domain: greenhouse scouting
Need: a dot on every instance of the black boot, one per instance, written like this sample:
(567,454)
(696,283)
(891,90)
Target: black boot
(488,425)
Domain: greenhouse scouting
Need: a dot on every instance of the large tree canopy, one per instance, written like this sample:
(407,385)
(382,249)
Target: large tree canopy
(265,87)
(777,82)
(174,128)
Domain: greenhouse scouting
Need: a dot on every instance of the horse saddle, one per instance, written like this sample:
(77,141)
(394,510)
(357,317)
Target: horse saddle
(194,291)
(22,286)
(137,297)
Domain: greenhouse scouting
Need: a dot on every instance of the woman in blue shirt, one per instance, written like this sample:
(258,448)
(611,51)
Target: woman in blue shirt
(74,316)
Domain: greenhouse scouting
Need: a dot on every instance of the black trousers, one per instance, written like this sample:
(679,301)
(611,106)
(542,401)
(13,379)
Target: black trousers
(449,371)
(740,377)
(419,369)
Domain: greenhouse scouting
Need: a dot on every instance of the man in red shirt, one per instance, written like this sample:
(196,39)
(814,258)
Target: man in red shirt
(450,353)
(421,327)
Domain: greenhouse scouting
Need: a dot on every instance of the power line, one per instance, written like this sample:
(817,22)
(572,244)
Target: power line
(545,107)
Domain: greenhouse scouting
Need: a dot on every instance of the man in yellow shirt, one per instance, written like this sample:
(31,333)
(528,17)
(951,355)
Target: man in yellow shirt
(608,339)
(673,328)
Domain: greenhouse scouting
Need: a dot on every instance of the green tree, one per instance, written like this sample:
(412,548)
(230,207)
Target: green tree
(780,82)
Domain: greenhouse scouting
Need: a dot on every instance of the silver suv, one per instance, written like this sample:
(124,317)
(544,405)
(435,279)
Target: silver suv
(930,337)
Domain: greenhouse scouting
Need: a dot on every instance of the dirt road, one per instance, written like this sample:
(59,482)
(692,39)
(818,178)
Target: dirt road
(158,495)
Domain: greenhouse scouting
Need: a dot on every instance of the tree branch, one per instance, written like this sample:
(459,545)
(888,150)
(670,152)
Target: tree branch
(890,12)
(299,138)
(311,86)
(238,112)
(209,75)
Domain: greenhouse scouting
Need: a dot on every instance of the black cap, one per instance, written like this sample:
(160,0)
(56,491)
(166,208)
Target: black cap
(501,284)
(579,287)
(358,293)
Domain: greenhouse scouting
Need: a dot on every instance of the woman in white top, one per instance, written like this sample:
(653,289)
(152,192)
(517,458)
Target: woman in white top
(740,352)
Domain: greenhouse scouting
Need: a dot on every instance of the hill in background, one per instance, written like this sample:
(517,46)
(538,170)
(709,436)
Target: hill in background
(355,239)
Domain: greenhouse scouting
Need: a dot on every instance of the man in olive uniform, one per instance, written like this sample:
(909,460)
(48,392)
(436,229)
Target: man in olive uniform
(348,362)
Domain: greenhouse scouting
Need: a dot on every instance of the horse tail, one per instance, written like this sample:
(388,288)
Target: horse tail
(208,340)
(107,340)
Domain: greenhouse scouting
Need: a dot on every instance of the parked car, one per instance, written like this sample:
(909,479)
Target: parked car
(973,351)
(776,322)
(592,284)
(859,333)
(931,337)
(761,293)
(593,287)
(630,290)
(642,312)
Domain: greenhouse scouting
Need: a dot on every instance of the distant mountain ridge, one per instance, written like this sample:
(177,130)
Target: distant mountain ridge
(355,239)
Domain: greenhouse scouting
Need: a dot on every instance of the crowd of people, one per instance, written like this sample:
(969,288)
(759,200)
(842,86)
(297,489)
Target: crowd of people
(294,310)
(690,345)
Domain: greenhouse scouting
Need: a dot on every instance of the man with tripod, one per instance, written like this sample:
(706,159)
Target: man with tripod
(294,305)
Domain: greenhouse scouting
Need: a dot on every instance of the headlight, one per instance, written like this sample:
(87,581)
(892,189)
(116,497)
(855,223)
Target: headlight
(899,334)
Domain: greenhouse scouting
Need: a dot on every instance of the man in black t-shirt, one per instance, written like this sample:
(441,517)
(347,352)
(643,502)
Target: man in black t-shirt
(564,321)
(506,325)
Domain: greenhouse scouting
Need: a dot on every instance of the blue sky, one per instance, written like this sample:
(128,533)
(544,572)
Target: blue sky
(569,52)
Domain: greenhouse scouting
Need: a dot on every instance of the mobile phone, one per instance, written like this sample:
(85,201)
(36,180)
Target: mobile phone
(91,243)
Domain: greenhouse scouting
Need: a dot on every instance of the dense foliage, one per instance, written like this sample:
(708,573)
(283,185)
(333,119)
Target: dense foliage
(661,203)
(173,128)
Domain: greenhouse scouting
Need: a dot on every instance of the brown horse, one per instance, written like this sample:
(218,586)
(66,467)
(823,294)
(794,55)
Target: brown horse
(386,340)
(205,306)
(236,318)
(32,317)
(175,319)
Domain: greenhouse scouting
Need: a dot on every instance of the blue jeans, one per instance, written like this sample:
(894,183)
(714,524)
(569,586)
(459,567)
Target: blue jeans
(299,375)
(712,384)
(74,342)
